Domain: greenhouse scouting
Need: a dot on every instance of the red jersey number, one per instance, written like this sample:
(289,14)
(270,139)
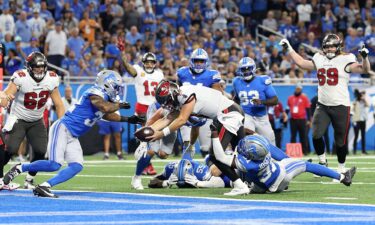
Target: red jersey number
(329,76)
(30,101)
(152,85)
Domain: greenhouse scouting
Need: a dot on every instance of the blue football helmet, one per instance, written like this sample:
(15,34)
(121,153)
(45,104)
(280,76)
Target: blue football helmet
(111,83)
(253,147)
(169,168)
(199,61)
(246,68)
(183,167)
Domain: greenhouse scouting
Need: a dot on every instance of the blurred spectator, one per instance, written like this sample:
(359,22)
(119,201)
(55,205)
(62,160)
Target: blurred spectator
(353,11)
(220,22)
(68,98)
(7,25)
(278,119)
(111,51)
(274,72)
(359,112)
(358,22)
(55,45)
(270,21)
(304,10)
(76,43)
(23,29)
(370,43)
(32,48)
(245,9)
(148,20)
(77,9)
(341,13)
(328,20)
(13,63)
(183,19)
(37,24)
(69,21)
(71,64)
(300,117)
(87,27)
(131,17)
(133,35)
(8,43)
(288,29)
(170,14)
(352,41)
(108,129)
(196,16)
(44,12)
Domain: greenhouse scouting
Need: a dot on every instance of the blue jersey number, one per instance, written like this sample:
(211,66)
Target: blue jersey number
(247,96)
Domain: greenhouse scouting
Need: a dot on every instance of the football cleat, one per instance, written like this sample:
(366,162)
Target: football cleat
(105,157)
(149,170)
(120,156)
(12,173)
(43,191)
(137,183)
(29,184)
(348,176)
(238,191)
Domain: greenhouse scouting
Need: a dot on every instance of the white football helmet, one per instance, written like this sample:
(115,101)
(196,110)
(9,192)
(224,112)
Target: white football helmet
(199,61)
(111,83)
(246,68)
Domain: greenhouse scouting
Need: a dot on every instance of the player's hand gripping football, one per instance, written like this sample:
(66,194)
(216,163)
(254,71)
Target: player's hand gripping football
(363,51)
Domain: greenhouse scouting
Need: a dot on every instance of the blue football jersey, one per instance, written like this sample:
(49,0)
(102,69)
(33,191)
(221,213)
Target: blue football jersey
(83,115)
(201,171)
(259,88)
(262,172)
(207,78)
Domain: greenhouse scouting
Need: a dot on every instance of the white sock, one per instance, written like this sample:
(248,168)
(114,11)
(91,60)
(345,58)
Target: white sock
(239,183)
(106,154)
(19,167)
(29,177)
(45,184)
(342,177)
(341,167)
(322,158)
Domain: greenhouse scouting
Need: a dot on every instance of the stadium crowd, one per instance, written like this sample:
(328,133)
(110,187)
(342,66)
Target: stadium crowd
(81,36)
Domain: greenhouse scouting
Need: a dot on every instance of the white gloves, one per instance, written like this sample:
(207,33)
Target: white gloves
(363,51)
(171,181)
(286,45)
(191,179)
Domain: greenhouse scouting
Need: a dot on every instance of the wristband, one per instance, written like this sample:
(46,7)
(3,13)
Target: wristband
(166,131)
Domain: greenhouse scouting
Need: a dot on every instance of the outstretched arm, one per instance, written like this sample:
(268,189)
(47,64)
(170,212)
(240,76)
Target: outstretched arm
(107,107)
(365,66)
(129,68)
(301,62)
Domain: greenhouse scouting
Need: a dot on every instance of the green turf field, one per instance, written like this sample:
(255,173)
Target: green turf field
(115,176)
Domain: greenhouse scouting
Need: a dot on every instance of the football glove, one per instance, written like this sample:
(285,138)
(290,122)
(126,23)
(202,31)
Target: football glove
(191,179)
(363,51)
(171,181)
(286,45)
(124,105)
(136,119)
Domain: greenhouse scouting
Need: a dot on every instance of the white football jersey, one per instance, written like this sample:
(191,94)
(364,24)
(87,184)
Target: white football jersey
(333,79)
(145,84)
(209,102)
(31,98)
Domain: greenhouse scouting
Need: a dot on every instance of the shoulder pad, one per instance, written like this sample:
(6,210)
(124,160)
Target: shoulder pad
(267,80)
(96,91)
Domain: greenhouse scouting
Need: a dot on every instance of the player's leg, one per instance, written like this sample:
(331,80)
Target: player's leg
(320,123)
(105,131)
(249,123)
(356,134)
(264,128)
(225,137)
(293,130)
(205,138)
(363,136)
(303,135)
(340,121)
(37,137)
(12,142)
(143,154)
(116,129)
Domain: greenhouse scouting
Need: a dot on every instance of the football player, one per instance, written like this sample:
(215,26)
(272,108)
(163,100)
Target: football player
(198,73)
(162,148)
(333,71)
(31,87)
(255,93)
(146,80)
(256,165)
(100,101)
(203,102)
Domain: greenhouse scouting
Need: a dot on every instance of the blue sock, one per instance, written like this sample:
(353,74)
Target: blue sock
(142,164)
(65,174)
(41,165)
(322,171)
(277,153)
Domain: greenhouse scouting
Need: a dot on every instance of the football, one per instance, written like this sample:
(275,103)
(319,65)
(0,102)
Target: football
(144,132)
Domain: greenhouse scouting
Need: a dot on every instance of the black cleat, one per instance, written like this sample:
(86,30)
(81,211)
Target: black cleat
(348,176)
(12,173)
(43,191)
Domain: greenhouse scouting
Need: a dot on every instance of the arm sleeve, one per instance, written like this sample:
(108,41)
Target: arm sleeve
(213,182)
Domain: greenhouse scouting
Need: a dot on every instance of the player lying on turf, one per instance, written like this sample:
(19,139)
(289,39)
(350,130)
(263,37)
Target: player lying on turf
(162,148)
(256,162)
(190,173)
